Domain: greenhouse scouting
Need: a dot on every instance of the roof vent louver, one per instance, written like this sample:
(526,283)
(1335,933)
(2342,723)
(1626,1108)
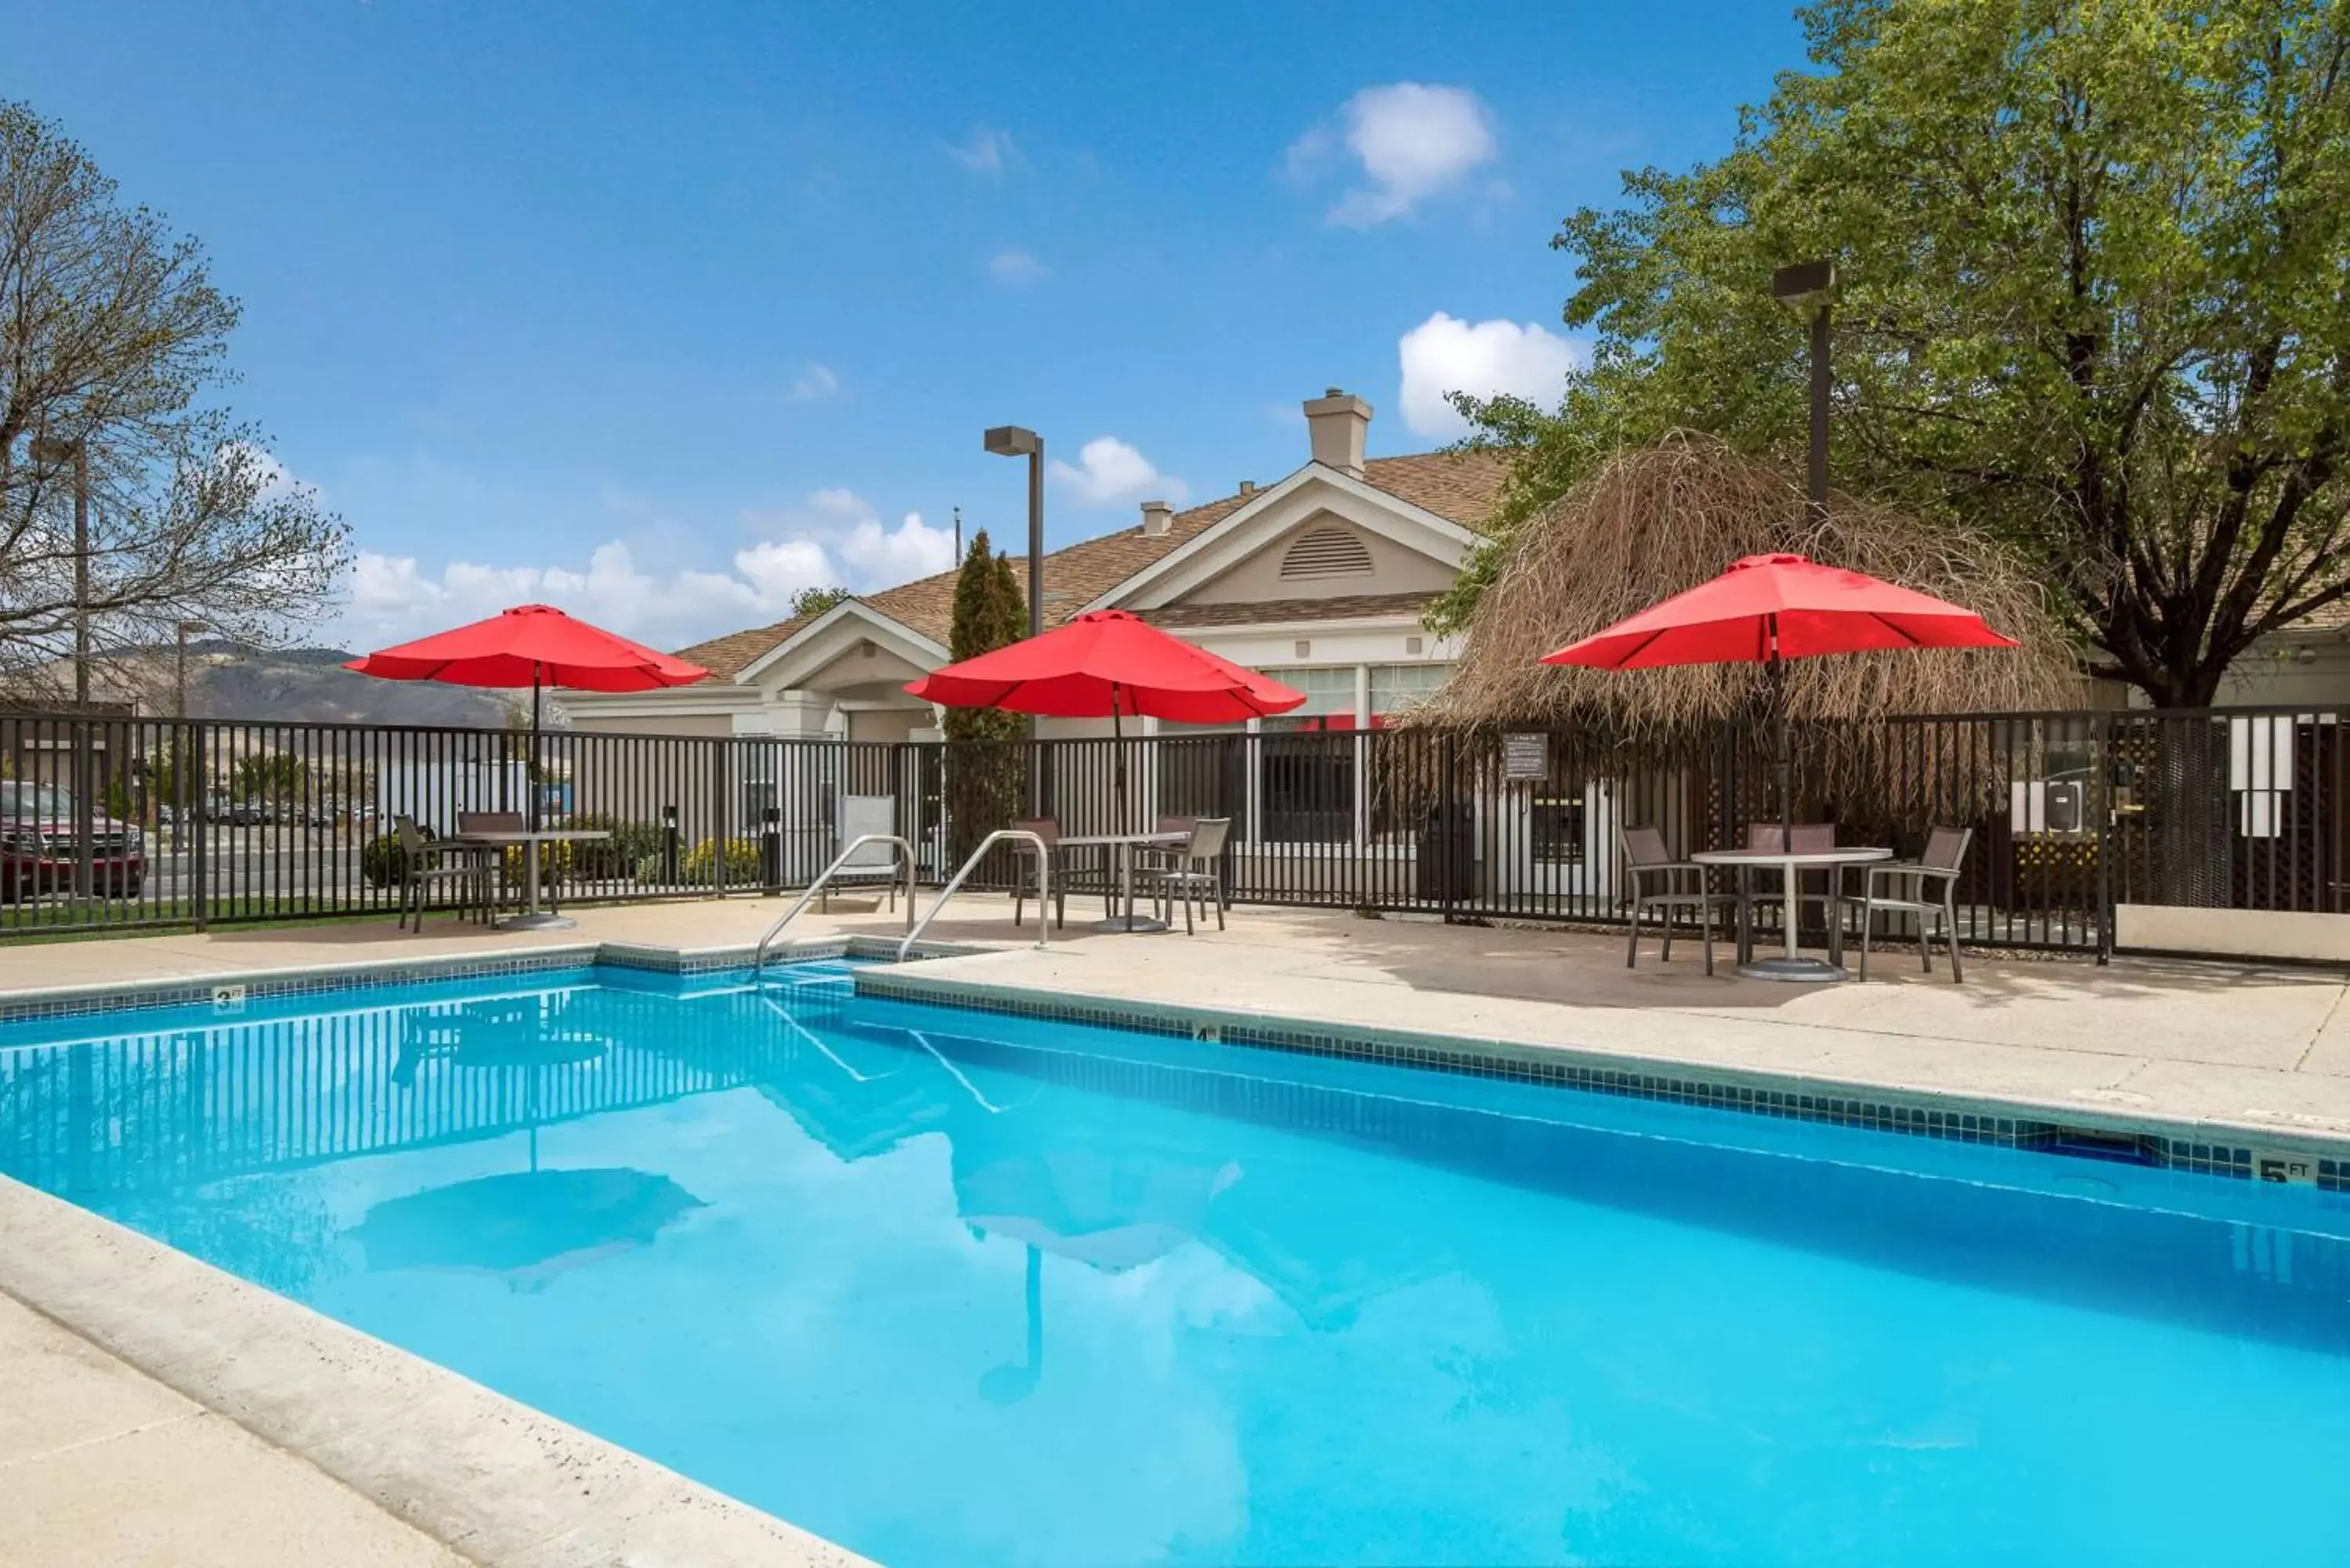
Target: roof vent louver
(1326,553)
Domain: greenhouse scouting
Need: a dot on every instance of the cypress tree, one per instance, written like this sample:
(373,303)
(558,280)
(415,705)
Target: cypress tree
(985,754)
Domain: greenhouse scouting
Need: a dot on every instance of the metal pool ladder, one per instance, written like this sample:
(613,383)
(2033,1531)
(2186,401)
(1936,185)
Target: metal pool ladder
(914,929)
(905,857)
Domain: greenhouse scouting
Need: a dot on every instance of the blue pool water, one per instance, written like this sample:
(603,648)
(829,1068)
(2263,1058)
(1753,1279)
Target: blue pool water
(958,1289)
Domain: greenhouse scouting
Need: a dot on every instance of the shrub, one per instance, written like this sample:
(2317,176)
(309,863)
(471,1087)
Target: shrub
(616,858)
(383,862)
(555,859)
(740,864)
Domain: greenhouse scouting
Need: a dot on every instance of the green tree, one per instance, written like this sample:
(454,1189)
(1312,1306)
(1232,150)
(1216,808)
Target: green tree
(2092,258)
(271,776)
(809,603)
(985,759)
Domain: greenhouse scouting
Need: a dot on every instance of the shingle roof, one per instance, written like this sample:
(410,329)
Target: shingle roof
(1274,612)
(1459,487)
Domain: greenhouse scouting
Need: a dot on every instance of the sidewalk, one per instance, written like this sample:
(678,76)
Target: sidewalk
(110,1468)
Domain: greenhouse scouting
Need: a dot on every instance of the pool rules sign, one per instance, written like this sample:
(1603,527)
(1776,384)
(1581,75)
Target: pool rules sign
(1525,758)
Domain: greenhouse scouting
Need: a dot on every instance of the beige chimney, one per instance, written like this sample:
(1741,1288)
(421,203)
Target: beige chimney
(1337,421)
(1158,518)
(1248,487)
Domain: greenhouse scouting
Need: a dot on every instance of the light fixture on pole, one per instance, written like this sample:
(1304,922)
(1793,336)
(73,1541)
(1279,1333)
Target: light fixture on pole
(1011,440)
(1808,288)
(51,450)
(1017,441)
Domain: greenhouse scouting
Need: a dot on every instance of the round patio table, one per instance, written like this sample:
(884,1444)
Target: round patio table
(1792,966)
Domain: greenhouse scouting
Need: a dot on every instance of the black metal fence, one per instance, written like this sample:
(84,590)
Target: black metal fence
(111,822)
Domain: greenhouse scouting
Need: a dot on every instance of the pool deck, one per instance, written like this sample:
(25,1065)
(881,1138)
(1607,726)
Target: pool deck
(159,1412)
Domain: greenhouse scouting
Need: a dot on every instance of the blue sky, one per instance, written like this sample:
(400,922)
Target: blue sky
(661,310)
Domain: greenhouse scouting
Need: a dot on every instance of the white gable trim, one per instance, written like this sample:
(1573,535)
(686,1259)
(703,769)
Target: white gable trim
(827,636)
(1232,540)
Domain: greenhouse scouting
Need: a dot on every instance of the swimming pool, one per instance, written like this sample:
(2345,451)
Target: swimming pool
(954,1288)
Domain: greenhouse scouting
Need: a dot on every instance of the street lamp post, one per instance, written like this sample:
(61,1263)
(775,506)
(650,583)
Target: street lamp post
(180,686)
(51,450)
(1808,288)
(1013,441)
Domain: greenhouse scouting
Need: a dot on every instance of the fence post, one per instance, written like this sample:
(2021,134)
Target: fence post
(1446,805)
(195,815)
(722,819)
(2104,838)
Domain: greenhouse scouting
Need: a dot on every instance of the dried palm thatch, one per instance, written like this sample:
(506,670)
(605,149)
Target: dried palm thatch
(1655,521)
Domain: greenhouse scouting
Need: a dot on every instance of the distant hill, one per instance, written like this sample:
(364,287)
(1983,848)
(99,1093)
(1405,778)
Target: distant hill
(309,685)
(297,685)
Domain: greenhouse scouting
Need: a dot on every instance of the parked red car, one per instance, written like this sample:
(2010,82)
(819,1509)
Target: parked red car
(38,848)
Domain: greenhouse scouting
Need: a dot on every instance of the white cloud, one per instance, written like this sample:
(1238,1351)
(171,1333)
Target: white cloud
(830,537)
(1107,470)
(1412,141)
(1016,268)
(913,549)
(814,382)
(985,152)
(392,599)
(1445,354)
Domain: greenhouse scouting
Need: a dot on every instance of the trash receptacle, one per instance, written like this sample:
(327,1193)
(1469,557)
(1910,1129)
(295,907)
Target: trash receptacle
(1447,868)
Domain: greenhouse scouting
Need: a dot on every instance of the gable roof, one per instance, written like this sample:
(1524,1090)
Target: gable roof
(1461,487)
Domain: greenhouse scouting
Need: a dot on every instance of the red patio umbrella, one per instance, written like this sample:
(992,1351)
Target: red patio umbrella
(1109,663)
(534,645)
(1105,664)
(1766,609)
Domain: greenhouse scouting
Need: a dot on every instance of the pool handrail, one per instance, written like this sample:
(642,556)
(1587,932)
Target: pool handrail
(914,929)
(905,857)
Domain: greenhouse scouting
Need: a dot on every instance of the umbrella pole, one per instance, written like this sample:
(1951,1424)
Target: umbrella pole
(534,745)
(1117,759)
(1786,755)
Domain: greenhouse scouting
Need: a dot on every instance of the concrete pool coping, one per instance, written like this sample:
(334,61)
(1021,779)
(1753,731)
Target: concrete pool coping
(2218,1145)
(494,1480)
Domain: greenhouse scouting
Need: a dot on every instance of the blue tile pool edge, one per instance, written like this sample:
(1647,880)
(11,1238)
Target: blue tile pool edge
(2228,1152)
(2216,1150)
(182,991)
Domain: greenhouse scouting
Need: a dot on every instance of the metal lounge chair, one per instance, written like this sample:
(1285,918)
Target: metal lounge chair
(1683,887)
(1906,892)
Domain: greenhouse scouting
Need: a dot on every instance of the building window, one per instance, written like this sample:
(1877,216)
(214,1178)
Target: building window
(1327,690)
(1395,687)
(1327,552)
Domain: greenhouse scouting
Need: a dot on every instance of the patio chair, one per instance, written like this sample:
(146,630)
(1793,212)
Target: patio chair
(1645,856)
(854,816)
(1023,856)
(1194,874)
(1945,858)
(494,887)
(426,862)
(1764,885)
